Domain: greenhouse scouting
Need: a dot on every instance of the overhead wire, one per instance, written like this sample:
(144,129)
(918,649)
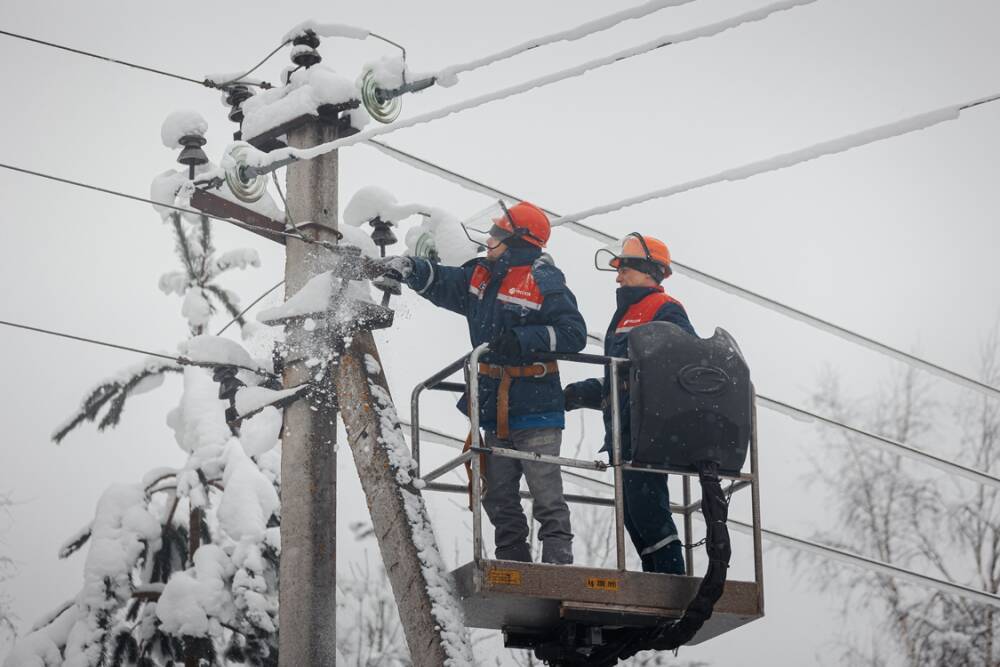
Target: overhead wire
(247,309)
(124,195)
(183,361)
(283,155)
(921,121)
(208,83)
(786,540)
(447,76)
(698,275)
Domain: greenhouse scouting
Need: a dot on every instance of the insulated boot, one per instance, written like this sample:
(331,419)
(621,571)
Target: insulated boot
(519,552)
(557,552)
(668,560)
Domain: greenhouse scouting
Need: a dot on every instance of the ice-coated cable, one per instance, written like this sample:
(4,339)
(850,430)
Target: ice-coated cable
(702,277)
(262,161)
(921,121)
(449,75)
(202,82)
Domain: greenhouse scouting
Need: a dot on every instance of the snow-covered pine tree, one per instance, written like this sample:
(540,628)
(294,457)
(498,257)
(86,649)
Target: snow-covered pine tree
(182,567)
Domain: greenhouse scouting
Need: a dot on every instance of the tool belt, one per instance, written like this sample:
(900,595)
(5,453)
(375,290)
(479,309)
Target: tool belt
(506,375)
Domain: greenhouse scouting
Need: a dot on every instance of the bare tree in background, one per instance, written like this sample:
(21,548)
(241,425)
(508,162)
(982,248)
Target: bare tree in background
(902,513)
(369,633)
(7,629)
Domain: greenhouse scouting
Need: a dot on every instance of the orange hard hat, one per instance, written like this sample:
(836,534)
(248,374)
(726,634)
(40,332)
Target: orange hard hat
(525,221)
(642,253)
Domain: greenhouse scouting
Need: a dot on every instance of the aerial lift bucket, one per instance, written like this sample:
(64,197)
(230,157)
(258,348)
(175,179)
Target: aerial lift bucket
(572,614)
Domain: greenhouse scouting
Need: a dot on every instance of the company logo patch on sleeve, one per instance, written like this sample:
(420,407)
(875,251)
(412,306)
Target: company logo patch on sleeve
(519,287)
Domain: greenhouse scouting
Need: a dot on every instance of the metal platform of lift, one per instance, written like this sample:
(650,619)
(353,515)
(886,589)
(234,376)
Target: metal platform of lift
(505,595)
(530,601)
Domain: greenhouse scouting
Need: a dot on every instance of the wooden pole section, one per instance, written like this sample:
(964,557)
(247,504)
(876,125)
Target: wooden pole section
(308,568)
(428,605)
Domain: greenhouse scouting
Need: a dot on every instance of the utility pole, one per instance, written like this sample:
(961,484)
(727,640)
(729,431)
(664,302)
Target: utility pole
(335,352)
(308,569)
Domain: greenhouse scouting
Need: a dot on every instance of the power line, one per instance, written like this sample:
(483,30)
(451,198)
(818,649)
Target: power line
(245,310)
(203,82)
(888,444)
(284,155)
(870,564)
(788,541)
(448,76)
(701,276)
(172,207)
(183,361)
(839,145)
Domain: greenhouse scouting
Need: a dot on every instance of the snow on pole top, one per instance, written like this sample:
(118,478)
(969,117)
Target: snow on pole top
(325,30)
(305,91)
(181,123)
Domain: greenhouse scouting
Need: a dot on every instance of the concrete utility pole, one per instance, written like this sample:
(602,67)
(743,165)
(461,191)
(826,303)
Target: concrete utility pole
(308,569)
(349,373)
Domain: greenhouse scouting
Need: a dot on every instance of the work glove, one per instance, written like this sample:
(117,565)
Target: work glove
(573,397)
(396,266)
(506,344)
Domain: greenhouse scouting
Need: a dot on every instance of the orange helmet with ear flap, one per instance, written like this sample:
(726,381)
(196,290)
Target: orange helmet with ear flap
(642,253)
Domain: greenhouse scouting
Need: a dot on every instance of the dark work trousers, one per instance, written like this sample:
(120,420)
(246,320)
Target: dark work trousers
(649,523)
(502,499)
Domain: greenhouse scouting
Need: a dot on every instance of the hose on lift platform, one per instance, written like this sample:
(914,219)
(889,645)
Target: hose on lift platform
(670,635)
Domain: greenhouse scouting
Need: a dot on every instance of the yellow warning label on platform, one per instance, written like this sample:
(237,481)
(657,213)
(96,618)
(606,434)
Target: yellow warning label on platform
(496,576)
(599,584)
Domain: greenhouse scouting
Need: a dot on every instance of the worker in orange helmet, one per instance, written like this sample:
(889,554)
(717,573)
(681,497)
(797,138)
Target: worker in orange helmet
(642,263)
(516,300)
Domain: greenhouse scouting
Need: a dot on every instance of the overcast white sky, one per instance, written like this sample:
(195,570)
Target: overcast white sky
(896,240)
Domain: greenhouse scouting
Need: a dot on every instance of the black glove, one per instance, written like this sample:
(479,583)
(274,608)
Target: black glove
(397,267)
(506,345)
(573,397)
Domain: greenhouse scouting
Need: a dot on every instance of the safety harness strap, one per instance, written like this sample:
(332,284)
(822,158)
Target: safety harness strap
(506,375)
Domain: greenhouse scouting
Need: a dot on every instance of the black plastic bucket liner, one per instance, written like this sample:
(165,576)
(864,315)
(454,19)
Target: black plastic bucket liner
(690,398)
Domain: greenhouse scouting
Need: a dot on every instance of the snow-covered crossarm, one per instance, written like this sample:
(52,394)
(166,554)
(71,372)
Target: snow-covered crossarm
(847,142)
(263,160)
(306,91)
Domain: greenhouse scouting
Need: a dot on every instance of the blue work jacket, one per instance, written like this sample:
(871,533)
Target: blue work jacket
(636,306)
(523,292)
